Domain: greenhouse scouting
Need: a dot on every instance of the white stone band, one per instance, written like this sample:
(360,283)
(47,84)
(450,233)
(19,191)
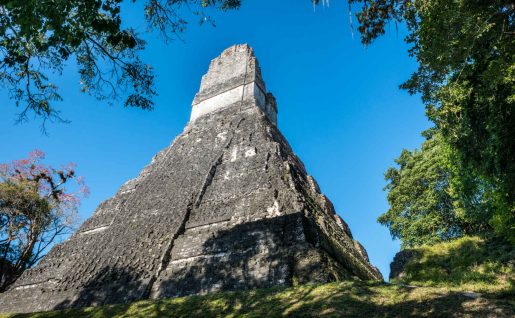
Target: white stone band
(227,98)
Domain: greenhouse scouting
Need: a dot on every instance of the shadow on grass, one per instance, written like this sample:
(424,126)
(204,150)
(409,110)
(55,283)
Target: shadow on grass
(332,300)
(348,299)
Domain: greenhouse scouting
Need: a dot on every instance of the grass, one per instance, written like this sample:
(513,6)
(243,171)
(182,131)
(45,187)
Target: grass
(435,285)
(343,299)
(468,263)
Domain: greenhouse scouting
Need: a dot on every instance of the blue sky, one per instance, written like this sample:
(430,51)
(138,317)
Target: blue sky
(339,107)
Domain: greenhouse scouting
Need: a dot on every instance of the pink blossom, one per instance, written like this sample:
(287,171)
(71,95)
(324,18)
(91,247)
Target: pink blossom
(30,169)
(36,155)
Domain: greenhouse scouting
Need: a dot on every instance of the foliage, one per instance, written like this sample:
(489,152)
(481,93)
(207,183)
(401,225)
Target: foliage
(37,38)
(36,209)
(432,199)
(163,15)
(344,299)
(466,77)
(468,263)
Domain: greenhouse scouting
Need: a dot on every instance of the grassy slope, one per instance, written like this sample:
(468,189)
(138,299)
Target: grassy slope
(442,274)
(348,299)
(468,263)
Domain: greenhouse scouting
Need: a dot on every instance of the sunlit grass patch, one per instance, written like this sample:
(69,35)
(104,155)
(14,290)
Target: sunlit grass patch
(343,299)
(468,263)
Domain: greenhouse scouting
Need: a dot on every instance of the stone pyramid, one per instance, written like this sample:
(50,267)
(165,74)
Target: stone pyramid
(226,206)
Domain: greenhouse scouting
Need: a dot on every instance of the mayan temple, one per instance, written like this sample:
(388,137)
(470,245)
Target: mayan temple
(227,206)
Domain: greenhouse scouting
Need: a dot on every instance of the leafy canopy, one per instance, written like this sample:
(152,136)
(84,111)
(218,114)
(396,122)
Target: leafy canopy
(37,38)
(432,200)
(466,77)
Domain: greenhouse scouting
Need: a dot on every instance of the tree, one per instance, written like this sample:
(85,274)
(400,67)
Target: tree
(36,211)
(432,199)
(466,77)
(37,38)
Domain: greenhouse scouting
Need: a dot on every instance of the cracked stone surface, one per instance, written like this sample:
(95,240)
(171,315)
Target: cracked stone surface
(226,206)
